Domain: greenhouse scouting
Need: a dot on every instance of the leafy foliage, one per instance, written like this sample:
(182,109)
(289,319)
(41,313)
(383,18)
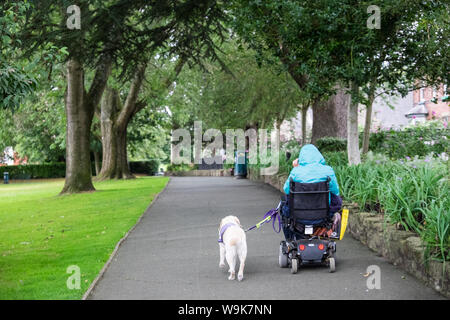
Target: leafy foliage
(431,137)
(326,44)
(15,80)
(129,32)
(246,94)
(36,128)
(331,144)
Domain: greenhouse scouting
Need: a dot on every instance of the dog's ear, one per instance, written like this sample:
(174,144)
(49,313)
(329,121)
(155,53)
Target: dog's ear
(220,225)
(237,221)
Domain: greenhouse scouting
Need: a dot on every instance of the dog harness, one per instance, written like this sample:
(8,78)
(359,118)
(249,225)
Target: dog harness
(223,229)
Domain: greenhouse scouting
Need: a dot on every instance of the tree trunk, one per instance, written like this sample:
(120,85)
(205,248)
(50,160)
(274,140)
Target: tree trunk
(115,161)
(80,106)
(354,156)
(304,115)
(97,163)
(114,142)
(330,117)
(369,107)
(78,130)
(114,120)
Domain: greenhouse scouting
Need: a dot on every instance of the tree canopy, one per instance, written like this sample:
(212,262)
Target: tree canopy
(246,94)
(235,64)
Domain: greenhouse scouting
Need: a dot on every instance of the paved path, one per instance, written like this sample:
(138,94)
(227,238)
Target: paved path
(173,253)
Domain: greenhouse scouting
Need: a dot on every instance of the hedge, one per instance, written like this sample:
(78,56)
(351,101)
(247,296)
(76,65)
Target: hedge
(35,171)
(58,169)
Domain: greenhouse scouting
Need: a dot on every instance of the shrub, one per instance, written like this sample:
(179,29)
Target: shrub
(431,137)
(331,144)
(181,167)
(149,167)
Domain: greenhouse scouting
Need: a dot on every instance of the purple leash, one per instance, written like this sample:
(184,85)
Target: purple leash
(272,214)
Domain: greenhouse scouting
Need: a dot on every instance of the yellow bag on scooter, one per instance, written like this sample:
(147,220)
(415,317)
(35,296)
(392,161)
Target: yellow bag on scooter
(344,222)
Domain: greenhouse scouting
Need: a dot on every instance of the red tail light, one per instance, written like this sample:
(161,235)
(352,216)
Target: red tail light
(321,247)
(301,247)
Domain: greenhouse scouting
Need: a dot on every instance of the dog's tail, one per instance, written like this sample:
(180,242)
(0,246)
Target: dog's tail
(234,246)
(234,242)
(237,242)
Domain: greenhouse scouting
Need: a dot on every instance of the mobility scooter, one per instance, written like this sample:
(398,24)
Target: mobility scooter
(309,229)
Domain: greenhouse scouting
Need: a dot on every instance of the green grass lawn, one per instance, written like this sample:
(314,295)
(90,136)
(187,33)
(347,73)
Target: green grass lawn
(42,234)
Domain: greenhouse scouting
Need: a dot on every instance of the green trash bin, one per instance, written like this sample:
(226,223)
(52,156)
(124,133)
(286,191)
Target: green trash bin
(240,164)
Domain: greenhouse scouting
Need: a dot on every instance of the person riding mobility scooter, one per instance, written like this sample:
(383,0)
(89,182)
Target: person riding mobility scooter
(309,213)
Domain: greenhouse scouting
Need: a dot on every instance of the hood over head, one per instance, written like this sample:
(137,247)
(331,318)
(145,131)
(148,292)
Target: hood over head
(310,154)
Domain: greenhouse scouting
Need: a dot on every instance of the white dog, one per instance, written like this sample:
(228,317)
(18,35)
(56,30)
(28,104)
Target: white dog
(233,244)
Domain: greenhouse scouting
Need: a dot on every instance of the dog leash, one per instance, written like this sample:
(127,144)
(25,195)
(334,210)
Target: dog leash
(272,214)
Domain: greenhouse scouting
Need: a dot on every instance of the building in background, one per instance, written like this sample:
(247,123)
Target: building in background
(12,158)
(388,112)
(430,104)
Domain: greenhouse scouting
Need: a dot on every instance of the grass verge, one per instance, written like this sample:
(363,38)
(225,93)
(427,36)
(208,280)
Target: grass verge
(42,234)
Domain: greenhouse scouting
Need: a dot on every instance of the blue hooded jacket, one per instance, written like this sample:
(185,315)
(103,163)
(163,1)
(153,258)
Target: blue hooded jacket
(312,168)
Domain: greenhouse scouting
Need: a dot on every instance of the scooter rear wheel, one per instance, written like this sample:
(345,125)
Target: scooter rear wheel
(294,265)
(282,258)
(332,264)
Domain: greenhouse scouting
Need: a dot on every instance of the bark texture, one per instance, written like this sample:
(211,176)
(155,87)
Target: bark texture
(368,123)
(97,163)
(79,119)
(80,107)
(330,117)
(114,143)
(354,156)
(304,115)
